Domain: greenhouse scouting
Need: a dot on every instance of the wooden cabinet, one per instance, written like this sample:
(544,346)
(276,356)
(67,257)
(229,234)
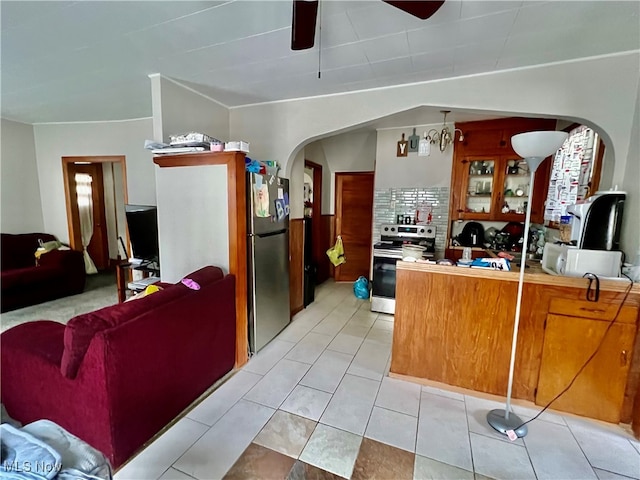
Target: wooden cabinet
(574,331)
(489,180)
(454,326)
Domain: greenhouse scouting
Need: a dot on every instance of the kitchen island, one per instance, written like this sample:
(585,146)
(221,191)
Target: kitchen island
(454,325)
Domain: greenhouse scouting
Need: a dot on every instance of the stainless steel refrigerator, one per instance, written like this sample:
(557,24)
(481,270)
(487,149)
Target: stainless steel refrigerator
(268,257)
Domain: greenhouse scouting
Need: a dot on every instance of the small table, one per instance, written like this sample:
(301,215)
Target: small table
(123,276)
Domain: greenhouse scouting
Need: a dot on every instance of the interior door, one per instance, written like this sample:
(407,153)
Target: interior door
(354,216)
(98,248)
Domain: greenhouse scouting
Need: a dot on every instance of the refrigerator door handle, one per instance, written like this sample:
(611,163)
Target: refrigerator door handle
(271,234)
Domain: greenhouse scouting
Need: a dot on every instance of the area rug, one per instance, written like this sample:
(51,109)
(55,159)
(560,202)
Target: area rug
(100,292)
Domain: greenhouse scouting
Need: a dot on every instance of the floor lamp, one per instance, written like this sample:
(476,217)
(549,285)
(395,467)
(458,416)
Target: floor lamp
(534,147)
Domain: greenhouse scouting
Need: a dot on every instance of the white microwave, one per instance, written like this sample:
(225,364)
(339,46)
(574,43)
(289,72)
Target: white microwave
(575,262)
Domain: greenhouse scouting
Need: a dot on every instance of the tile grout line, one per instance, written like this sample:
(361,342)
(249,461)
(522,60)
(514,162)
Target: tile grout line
(466,418)
(585,453)
(176,468)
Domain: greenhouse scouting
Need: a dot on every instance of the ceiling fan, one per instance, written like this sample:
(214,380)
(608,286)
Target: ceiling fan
(305,13)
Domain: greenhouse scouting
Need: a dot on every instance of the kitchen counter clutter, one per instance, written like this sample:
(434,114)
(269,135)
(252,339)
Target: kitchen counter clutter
(454,325)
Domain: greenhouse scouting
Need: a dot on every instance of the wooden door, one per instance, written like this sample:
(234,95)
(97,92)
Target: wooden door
(98,247)
(598,391)
(354,215)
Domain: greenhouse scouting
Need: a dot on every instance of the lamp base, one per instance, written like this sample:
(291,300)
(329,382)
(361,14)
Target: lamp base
(496,418)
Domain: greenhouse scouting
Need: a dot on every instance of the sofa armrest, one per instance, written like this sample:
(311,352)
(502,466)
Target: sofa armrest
(32,387)
(38,343)
(31,354)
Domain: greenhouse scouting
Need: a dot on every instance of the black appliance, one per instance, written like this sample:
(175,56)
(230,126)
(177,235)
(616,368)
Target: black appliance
(472,235)
(596,223)
(385,255)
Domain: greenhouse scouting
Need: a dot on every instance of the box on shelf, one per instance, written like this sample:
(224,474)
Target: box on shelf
(237,146)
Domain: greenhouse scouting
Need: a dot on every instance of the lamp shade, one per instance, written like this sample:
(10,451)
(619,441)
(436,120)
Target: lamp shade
(538,144)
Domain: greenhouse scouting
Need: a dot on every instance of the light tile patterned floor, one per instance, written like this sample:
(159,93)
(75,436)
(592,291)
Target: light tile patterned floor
(316,403)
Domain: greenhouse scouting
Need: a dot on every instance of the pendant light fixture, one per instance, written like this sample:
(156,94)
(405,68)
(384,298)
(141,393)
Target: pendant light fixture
(444,137)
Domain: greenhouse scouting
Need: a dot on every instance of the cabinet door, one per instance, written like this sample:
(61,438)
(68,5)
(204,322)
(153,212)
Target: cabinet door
(477,188)
(598,392)
(513,194)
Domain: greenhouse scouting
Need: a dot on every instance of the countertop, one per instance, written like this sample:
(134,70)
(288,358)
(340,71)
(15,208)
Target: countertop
(534,274)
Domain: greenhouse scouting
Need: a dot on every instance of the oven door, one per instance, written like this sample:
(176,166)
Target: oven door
(384,275)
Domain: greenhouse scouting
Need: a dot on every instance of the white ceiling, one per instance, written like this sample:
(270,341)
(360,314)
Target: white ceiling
(89,60)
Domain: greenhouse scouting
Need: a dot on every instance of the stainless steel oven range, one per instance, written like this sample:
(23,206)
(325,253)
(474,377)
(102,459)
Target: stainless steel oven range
(385,255)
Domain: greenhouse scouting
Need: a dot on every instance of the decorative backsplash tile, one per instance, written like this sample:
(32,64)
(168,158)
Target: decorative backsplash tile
(387,203)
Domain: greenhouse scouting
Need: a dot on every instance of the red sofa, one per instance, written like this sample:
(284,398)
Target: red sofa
(116,376)
(59,273)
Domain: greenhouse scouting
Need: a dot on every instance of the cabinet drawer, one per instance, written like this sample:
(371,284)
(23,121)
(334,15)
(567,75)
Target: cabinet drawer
(594,310)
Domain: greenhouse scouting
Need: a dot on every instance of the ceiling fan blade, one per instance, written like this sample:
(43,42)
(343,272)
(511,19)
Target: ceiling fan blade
(303,24)
(420,8)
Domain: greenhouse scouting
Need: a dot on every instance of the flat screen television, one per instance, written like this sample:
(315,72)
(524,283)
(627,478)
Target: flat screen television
(142,221)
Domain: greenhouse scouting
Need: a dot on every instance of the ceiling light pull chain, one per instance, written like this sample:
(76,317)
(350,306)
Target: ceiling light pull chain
(319,36)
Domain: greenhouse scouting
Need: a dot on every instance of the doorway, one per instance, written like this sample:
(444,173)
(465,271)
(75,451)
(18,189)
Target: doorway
(313,226)
(354,216)
(105,183)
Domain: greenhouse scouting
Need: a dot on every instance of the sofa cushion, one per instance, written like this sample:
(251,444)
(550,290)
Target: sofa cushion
(80,330)
(28,277)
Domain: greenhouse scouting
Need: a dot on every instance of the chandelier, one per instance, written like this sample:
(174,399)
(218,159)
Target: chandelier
(444,137)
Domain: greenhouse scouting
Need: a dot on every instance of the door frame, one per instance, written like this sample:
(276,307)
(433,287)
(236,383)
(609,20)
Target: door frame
(316,211)
(72,227)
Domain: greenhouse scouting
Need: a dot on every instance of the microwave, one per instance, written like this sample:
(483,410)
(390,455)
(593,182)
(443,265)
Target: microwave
(575,262)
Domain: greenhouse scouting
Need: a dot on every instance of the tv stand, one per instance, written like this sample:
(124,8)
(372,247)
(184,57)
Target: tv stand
(123,276)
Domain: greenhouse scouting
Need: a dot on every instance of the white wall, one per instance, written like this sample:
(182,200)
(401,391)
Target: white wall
(296,187)
(630,239)
(348,152)
(600,92)
(19,189)
(183,110)
(193,222)
(54,141)
(411,171)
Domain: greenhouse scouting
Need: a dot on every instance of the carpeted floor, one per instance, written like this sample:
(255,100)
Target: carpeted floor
(99,292)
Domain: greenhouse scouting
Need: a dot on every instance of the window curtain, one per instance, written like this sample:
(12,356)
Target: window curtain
(85,209)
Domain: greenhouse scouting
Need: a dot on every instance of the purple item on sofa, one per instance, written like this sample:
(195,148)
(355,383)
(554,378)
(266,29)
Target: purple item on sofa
(190,284)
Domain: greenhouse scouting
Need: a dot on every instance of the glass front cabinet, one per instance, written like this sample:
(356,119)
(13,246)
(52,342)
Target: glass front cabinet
(489,180)
(496,187)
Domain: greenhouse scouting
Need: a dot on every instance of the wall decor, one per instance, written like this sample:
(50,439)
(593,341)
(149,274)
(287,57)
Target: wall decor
(403,146)
(424,146)
(413,141)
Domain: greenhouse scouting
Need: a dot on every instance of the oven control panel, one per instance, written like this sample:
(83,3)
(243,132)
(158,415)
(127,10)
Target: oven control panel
(392,231)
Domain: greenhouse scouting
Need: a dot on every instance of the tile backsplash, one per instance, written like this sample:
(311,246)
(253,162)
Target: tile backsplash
(387,203)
